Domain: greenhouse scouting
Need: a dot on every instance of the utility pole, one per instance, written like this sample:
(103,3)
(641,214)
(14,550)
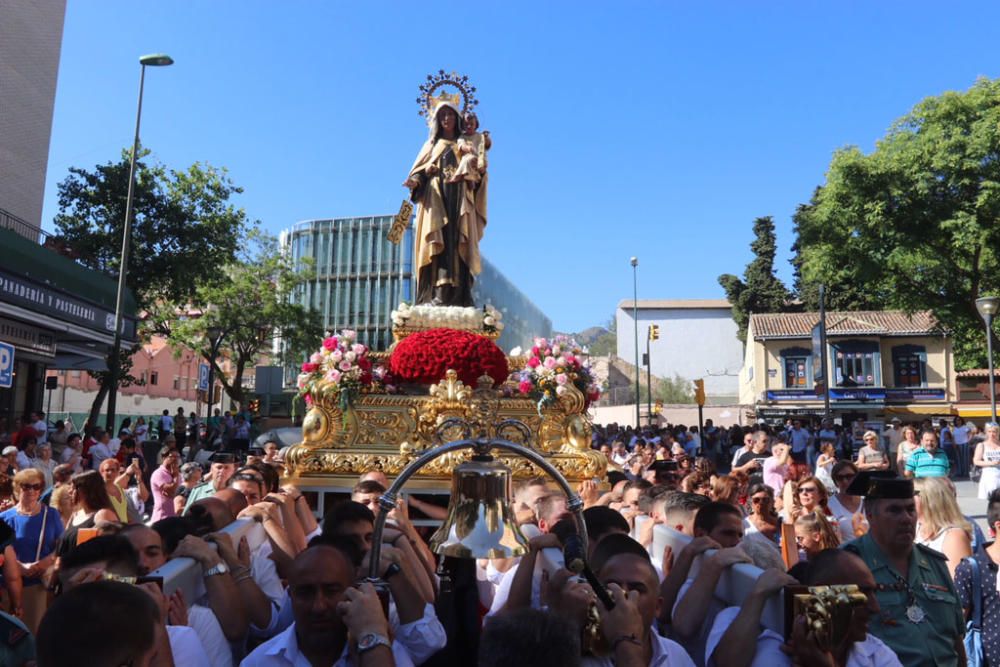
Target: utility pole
(824,357)
(699,397)
(635,322)
(653,334)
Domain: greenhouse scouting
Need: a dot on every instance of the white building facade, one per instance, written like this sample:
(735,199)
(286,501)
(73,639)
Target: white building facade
(698,340)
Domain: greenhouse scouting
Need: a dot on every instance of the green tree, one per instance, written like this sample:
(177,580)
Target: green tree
(251,308)
(759,291)
(607,343)
(672,391)
(184,227)
(915,224)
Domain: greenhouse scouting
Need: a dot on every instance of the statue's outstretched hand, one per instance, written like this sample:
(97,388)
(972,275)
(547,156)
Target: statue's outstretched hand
(411,183)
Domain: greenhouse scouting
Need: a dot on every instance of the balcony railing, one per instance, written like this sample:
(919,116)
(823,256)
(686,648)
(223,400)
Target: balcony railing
(22,227)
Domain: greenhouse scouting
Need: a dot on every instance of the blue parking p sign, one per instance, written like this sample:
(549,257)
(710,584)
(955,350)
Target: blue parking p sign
(6,365)
(202,377)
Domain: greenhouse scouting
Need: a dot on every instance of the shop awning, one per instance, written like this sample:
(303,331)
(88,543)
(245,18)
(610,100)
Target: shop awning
(973,411)
(930,410)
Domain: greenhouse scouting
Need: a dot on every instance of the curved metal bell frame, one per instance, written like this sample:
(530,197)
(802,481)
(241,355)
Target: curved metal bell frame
(478,514)
(479,522)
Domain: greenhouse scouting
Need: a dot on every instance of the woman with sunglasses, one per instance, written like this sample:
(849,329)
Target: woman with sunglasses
(810,495)
(843,506)
(870,455)
(37,529)
(762,518)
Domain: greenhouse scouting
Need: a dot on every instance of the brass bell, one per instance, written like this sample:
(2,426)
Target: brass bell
(479,523)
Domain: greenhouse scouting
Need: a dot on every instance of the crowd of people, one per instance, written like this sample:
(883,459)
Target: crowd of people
(80,537)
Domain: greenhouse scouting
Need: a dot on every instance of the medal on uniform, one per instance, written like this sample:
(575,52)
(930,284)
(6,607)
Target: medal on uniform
(915,613)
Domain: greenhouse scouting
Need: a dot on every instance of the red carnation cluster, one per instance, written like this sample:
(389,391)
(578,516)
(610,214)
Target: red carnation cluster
(424,357)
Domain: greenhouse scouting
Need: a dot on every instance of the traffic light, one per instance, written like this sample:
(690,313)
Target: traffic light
(654,332)
(254,405)
(699,392)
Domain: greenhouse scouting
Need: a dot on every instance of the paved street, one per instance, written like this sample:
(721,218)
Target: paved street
(971,506)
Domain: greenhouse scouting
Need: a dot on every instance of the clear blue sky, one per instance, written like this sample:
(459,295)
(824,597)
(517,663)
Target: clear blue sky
(628,128)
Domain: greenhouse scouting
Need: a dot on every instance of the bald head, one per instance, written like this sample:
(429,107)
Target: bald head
(234,500)
(317,580)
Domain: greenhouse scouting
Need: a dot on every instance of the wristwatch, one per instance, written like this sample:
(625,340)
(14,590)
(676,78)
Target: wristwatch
(391,571)
(370,640)
(218,568)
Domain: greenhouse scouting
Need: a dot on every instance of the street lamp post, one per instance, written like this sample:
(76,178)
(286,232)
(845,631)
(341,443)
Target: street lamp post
(635,321)
(153,60)
(988,307)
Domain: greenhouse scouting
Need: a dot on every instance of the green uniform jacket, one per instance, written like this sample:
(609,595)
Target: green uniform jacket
(203,490)
(933,640)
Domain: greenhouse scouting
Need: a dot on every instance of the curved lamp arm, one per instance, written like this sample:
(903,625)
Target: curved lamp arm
(482,447)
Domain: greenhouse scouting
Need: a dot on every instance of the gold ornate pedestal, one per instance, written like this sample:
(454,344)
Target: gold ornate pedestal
(388,431)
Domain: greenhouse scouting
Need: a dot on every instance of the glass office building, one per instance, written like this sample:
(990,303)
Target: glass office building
(360,278)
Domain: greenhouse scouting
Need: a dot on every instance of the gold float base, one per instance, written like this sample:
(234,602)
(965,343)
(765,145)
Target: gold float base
(387,432)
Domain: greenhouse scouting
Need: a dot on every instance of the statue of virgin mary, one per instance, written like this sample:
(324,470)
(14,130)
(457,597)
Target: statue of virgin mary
(451,216)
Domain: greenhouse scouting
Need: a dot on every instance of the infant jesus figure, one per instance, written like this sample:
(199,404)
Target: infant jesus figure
(472,147)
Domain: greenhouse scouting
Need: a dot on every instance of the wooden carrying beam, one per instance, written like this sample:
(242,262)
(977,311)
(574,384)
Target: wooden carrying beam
(186,574)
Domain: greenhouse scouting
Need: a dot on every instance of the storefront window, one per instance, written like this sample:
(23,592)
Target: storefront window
(909,363)
(795,373)
(797,365)
(857,364)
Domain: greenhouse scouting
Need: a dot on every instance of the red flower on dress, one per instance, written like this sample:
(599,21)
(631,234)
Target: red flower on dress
(425,357)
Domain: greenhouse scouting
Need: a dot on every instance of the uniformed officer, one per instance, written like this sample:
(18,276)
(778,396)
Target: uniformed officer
(222,468)
(921,618)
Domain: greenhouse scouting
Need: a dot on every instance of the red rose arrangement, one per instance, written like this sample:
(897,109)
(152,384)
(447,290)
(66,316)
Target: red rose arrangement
(424,357)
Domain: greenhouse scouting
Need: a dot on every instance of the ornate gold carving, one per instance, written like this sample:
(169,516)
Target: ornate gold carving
(400,222)
(387,432)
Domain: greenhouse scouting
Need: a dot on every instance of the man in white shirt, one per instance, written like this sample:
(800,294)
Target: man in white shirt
(632,582)
(149,546)
(736,639)
(99,451)
(335,623)
(26,453)
(525,590)
(619,455)
(41,427)
(691,598)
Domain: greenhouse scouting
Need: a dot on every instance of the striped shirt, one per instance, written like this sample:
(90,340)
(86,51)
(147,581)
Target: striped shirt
(924,464)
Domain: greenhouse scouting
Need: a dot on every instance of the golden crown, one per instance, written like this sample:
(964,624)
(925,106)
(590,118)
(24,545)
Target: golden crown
(464,92)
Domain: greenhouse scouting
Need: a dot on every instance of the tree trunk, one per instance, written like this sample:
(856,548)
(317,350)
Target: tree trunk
(95,407)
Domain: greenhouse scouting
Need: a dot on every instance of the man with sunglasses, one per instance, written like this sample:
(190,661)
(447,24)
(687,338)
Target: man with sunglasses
(921,618)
